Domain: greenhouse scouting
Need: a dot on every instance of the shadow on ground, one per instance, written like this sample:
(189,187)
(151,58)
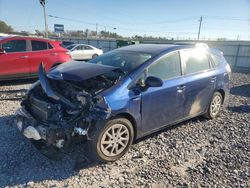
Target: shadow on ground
(17,82)
(242,90)
(20,162)
(240,109)
(243,70)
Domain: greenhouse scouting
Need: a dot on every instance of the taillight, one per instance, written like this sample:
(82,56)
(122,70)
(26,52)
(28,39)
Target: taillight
(229,70)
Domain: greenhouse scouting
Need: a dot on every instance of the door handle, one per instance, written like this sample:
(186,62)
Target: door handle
(24,57)
(180,88)
(213,79)
(137,98)
(54,54)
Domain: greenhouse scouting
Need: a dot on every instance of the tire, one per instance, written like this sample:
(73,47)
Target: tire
(215,106)
(94,56)
(112,141)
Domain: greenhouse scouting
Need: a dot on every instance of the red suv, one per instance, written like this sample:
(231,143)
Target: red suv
(20,57)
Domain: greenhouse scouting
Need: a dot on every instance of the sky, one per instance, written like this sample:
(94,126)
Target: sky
(161,18)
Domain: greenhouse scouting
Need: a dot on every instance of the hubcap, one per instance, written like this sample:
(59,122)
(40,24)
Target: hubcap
(115,140)
(215,105)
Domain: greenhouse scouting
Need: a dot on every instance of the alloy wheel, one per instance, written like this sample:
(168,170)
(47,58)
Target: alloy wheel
(115,140)
(215,105)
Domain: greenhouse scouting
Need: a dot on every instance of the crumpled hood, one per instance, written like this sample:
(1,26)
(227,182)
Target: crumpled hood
(78,71)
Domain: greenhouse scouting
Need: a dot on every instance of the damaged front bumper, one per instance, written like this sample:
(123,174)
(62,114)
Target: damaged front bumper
(53,123)
(50,140)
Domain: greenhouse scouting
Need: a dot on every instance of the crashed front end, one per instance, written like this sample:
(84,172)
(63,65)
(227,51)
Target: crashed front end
(58,111)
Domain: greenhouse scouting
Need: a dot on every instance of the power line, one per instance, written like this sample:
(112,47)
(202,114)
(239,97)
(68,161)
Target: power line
(227,18)
(166,21)
(120,28)
(156,23)
(223,28)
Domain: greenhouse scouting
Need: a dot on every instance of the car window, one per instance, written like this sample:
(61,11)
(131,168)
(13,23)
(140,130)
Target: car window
(50,46)
(79,48)
(70,47)
(196,61)
(125,60)
(39,45)
(14,46)
(216,59)
(167,67)
(87,48)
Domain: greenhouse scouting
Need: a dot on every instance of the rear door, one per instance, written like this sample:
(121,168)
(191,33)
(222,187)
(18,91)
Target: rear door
(88,52)
(41,53)
(199,81)
(14,63)
(163,105)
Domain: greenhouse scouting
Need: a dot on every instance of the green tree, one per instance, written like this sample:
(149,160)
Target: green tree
(4,28)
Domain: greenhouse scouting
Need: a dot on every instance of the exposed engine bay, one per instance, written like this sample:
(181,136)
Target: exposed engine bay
(56,112)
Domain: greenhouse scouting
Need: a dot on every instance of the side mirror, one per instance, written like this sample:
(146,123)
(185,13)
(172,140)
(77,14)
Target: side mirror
(152,81)
(2,51)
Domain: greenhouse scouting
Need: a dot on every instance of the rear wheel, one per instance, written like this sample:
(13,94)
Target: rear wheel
(94,56)
(214,106)
(112,141)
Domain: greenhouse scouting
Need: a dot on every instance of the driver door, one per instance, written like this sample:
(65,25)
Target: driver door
(163,105)
(14,63)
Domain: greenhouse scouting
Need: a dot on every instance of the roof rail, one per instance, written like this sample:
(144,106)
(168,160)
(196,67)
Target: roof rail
(201,44)
(197,44)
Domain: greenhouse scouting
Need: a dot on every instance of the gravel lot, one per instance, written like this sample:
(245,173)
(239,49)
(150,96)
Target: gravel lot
(195,153)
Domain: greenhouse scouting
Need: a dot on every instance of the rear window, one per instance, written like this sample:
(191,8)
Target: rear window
(87,48)
(50,46)
(216,59)
(39,45)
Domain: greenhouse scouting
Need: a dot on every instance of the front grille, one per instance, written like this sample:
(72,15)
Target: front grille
(40,110)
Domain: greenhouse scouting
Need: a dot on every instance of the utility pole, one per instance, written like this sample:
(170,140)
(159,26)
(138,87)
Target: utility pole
(96,30)
(43,2)
(200,20)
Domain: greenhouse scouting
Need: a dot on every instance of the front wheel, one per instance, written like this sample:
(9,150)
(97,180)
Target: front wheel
(214,106)
(112,141)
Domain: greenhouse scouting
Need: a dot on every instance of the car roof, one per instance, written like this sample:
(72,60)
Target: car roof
(155,48)
(28,38)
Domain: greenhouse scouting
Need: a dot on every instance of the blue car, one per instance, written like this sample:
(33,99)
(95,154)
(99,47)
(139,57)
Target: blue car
(121,96)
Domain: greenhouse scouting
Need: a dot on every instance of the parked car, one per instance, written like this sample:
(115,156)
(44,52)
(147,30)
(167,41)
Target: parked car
(121,96)
(84,51)
(66,43)
(20,57)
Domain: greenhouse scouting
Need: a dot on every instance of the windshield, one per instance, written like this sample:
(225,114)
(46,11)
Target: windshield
(70,47)
(125,60)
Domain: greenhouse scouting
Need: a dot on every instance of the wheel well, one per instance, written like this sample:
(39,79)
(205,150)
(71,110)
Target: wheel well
(131,119)
(222,92)
(55,64)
